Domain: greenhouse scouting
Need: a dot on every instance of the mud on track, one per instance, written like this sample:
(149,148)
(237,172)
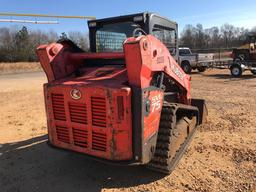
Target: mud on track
(222,156)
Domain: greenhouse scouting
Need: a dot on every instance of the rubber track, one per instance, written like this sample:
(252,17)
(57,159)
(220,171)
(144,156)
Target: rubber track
(162,162)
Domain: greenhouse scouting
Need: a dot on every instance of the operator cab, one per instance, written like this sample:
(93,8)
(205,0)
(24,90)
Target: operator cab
(108,35)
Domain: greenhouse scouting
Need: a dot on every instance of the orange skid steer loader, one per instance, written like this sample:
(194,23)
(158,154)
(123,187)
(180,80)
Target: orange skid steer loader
(127,101)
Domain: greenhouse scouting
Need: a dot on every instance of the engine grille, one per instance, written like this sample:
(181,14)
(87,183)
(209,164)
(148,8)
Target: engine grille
(58,107)
(62,134)
(78,113)
(99,141)
(98,111)
(80,137)
(81,128)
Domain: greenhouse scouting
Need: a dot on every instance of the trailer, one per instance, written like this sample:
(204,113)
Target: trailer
(228,59)
(236,67)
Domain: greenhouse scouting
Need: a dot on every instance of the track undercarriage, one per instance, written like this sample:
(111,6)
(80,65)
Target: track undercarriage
(176,130)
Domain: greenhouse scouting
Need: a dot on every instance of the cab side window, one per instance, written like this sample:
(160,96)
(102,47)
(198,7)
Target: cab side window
(167,36)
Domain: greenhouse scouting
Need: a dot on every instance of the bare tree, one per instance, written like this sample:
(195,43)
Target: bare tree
(214,35)
(227,36)
(227,31)
(188,36)
(81,39)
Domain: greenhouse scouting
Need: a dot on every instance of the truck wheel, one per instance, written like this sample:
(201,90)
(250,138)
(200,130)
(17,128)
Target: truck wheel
(186,67)
(253,72)
(236,70)
(201,69)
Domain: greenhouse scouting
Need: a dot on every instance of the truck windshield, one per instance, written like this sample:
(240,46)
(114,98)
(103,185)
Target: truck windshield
(184,52)
(110,37)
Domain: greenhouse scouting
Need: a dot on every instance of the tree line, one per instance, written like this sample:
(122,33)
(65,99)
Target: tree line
(20,44)
(227,36)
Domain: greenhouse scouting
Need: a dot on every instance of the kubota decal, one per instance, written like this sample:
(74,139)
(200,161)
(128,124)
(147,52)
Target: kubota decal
(75,94)
(177,72)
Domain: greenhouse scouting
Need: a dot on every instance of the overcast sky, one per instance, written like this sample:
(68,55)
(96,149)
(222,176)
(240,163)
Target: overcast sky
(241,13)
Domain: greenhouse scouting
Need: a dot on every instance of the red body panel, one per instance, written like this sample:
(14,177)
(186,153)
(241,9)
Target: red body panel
(151,121)
(92,112)
(92,124)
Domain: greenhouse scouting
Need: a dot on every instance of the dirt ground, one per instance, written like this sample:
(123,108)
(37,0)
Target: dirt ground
(19,67)
(222,156)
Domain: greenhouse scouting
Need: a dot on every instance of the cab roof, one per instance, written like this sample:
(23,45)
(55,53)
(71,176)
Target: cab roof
(124,17)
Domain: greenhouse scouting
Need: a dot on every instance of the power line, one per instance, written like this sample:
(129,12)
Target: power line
(49,16)
(28,21)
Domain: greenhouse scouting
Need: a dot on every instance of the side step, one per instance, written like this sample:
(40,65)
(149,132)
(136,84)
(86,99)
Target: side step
(174,136)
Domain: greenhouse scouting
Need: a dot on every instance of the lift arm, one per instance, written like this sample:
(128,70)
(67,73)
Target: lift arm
(146,55)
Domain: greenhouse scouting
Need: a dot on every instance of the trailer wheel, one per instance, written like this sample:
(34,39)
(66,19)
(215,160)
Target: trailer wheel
(253,72)
(201,69)
(185,65)
(236,70)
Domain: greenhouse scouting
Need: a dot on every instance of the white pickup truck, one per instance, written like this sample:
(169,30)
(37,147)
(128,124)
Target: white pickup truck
(190,61)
